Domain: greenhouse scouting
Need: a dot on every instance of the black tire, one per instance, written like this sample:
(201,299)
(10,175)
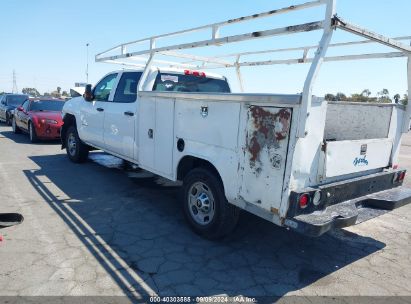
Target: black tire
(32,133)
(8,120)
(225,215)
(16,129)
(79,152)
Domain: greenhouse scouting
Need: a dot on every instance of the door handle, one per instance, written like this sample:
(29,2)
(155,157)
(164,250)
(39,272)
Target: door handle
(129,113)
(150,133)
(100,109)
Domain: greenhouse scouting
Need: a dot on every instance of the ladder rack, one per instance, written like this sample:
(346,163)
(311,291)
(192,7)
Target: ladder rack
(145,57)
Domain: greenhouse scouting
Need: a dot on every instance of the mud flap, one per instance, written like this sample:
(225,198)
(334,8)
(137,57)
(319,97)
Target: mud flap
(350,213)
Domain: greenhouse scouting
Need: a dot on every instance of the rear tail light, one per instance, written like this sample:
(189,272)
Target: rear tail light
(304,200)
(399,177)
(402,176)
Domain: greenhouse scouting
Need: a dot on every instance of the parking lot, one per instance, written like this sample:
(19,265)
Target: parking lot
(96,229)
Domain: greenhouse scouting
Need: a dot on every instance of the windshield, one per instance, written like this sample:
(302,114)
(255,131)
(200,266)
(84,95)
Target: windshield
(189,83)
(46,105)
(16,100)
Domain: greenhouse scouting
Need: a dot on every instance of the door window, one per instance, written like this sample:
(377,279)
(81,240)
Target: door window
(25,106)
(103,88)
(127,87)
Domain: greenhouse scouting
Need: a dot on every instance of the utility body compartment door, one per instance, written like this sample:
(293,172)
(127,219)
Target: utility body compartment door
(265,154)
(353,156)
(145,128)
(156,135)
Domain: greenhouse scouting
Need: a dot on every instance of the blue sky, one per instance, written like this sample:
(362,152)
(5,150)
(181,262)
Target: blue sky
(44,41)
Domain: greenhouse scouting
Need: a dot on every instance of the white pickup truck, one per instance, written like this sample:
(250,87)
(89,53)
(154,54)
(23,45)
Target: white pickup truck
(295,160)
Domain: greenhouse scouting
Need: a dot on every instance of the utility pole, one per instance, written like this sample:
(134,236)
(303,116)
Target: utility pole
(87,63)
(15,90)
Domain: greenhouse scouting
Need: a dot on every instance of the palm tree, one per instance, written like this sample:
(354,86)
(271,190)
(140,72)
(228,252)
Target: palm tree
(366,93)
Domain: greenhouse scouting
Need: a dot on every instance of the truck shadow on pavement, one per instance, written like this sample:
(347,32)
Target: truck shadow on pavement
(136,230)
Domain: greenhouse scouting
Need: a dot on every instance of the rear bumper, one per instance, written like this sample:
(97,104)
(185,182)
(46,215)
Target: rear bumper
(353,211)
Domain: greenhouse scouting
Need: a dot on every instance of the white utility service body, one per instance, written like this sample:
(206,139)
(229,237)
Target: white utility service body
(295,160)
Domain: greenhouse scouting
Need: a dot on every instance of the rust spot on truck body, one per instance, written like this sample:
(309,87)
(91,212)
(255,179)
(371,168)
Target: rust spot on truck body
(274,210)
(268,130)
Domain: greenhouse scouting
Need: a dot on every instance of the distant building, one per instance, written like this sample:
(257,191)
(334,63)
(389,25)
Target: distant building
(80,84)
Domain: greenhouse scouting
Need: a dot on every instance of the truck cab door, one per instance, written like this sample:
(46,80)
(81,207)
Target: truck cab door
(91,125)
(120,116)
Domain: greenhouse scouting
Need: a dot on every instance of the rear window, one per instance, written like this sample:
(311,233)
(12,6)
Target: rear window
(16,100)
(127,87)
(46,105)
(168,82)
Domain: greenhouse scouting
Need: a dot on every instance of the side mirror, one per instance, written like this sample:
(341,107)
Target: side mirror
(20,108)
(88,93)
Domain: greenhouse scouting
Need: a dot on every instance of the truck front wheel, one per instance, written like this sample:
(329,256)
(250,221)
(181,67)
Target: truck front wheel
(205,206)
(76,150)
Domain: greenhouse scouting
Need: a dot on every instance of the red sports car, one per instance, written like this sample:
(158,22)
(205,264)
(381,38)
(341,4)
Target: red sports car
(40,118)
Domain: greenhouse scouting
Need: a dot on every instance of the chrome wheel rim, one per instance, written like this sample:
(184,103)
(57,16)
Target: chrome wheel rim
(71,144)
(13,124)
(201,203)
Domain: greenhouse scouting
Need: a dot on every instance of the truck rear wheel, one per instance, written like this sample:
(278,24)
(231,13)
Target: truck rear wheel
(76,150)
(205,206)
